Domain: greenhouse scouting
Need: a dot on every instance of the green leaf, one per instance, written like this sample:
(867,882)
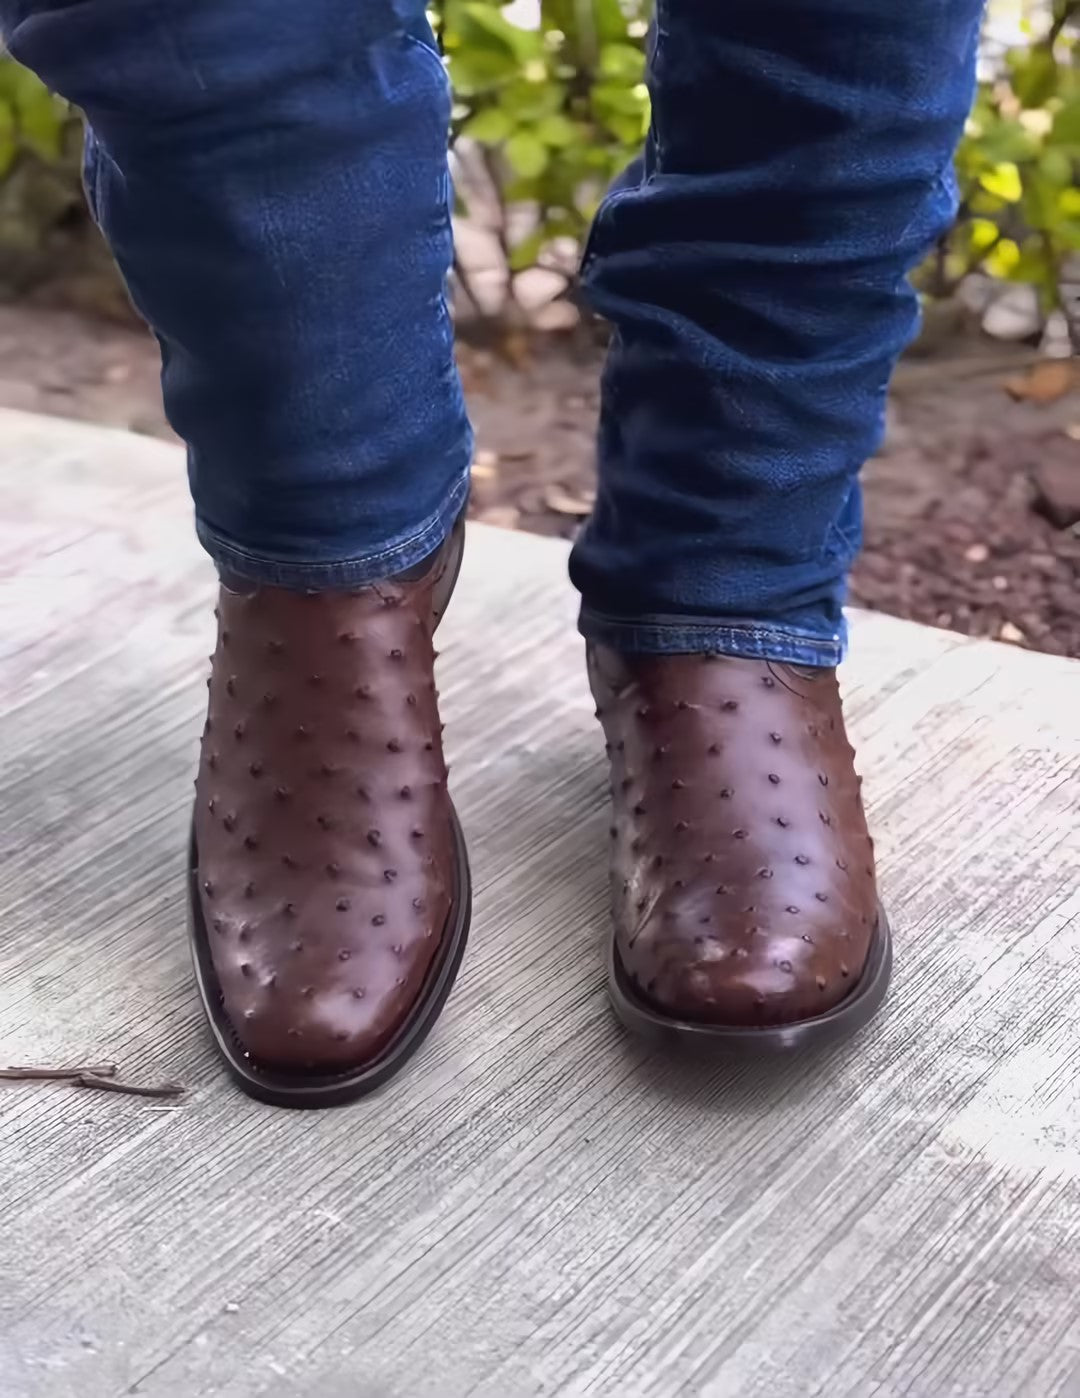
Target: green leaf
(1003,181)
(982,233)
(1066,128)
(1034,75)
(521,191)
(586,23)
(485,24)
(529,102)
(475,71)
(9,148)
(527,252)
(624,112)
(987,205)
(490,127)
(998,138)
(41,121)
(610,19)
(1039,204)
(1038,268)
(1001,261)
(527,154)
(567,223)
(557,130)
(623,62)
(1055,167)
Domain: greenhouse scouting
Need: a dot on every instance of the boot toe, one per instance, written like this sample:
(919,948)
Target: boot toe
(767,979)
(300,1031)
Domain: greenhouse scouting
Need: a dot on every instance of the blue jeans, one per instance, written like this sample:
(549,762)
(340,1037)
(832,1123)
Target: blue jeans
(272,178)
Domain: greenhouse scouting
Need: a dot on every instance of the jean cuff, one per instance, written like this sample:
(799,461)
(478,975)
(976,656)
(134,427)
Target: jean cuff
(750,640)
(394,556)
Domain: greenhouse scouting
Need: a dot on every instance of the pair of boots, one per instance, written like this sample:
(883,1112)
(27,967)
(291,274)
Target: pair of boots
(330,895)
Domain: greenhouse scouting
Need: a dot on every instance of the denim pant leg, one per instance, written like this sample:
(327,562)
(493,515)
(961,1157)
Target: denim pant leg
(273,180)
(754,268)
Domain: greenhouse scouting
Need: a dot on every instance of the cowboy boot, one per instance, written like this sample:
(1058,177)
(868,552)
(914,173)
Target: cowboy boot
(745,903)
(329,889)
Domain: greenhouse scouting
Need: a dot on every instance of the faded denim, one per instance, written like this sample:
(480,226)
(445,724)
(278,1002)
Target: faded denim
(754,266)
(273,180)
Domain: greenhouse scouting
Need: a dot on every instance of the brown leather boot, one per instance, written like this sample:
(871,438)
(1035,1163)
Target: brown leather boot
(329,892)
(745,902)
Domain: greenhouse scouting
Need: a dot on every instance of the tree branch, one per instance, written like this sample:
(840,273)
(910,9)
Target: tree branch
(1069,11)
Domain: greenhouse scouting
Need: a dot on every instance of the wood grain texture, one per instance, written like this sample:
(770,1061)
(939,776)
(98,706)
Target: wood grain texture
(539,1206)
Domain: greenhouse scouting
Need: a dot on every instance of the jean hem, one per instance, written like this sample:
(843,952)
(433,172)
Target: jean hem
(355,571)
(744,639)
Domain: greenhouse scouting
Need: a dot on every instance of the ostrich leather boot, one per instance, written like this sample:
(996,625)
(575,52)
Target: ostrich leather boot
(329,888)
(745,904)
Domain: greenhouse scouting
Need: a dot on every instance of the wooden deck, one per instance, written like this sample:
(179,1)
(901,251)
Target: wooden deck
(540,1206)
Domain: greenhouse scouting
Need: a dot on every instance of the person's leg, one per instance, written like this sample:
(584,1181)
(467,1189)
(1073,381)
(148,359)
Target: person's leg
(798,167)
(273,181)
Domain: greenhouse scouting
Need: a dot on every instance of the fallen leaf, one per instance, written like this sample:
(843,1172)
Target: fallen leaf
(484,464)
(515,348)
(1011,633)
(563,502)
(977,553)
(1048,381)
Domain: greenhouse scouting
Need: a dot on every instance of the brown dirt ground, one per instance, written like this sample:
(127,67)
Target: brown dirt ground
(952,538)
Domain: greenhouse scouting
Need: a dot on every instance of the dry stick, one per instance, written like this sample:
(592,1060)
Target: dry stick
(98,1070)
(165,1089)
(464,281)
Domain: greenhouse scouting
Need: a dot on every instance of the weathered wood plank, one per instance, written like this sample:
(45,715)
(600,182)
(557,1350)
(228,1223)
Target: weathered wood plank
(541,1206)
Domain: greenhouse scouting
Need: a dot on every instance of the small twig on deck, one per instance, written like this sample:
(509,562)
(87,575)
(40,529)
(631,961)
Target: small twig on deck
(99,1075)
(165,1089)
(97,1070)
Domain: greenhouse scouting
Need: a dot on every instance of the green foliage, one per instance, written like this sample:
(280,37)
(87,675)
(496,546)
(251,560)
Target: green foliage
(556,111)
(41,200)
(1018,166)
(553,113)
(32,123)
(559,111)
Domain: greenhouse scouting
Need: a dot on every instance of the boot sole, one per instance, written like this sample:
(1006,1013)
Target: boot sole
(309,1089)
(853,1013)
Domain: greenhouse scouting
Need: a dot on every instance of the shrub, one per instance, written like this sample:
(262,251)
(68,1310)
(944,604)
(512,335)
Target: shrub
(551,114)
(1017,168)
(39,176)
(556,112)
